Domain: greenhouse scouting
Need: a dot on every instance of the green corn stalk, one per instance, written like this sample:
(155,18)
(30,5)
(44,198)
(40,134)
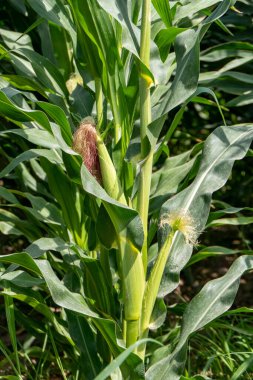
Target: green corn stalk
(145,119)
(151,290)
(131,266)
(133,288)
(179,222)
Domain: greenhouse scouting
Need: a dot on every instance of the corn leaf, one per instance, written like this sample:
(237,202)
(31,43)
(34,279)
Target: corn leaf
(221,149)
(214,299)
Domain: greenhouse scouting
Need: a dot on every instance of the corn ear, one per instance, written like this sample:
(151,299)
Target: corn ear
(109,176)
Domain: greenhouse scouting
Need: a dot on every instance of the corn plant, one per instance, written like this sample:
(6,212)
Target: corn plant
(109,217)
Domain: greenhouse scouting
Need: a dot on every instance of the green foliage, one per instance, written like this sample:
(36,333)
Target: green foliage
(100,253)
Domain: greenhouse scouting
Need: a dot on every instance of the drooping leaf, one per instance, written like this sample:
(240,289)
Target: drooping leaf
(22,259)
(213,300)
(74,302)
(241,100)
(35,300)
(10,110)
(46,72)
(21,279)
(35,136)
(121,358)
(123,218)
(191,8)
(14,40)
(221,149)
(24,83)
(51,155)
(10,224)
(57,114)
(7,195)
(214,251)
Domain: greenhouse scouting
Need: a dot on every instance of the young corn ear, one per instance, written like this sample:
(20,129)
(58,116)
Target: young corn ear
(96,158)
(181,221)
(109,176)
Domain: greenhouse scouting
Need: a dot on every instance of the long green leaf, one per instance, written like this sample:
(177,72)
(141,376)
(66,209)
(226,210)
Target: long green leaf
(14,40)
(35,300)
(213,300)
(74,302)
(187,72)
(193,7)
(57,114)
(131,38)
(24,83)
(121,358)
(10,316)
(12,111)
(35,136)
(56,12)
(46,72)
(122,216)
(51,155)
(221,149)
(187,53)
(21,278)
(22,259)
(215,251)
(12,224)
(243,368)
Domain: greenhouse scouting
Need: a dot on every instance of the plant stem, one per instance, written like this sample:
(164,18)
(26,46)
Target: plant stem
(133,283)
(132,328)
(131,266)
(152,288)
(115,109)
(99,101)
(10,316)
(145,119)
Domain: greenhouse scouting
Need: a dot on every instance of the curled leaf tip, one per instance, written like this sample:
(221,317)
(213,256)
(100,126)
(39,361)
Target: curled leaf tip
(181,221)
